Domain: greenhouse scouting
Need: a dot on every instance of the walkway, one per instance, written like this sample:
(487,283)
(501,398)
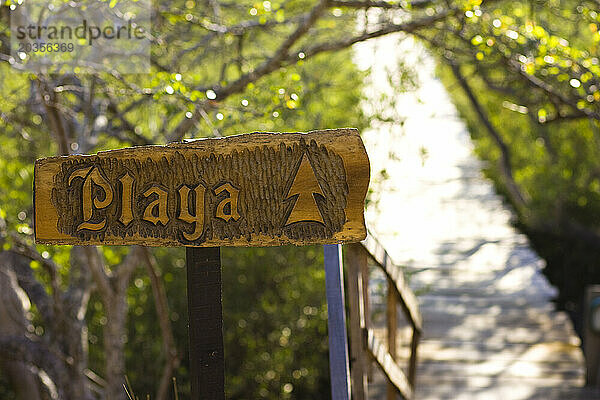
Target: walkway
(491,330)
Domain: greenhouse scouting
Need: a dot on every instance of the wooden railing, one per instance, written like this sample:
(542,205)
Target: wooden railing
(365,346)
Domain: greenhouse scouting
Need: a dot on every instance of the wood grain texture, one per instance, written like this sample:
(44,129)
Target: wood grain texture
(355,259)
(259,189)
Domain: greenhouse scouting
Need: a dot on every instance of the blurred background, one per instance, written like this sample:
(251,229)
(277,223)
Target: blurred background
(481,121)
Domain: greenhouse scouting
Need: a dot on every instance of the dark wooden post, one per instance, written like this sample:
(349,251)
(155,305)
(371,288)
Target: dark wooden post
(205,313)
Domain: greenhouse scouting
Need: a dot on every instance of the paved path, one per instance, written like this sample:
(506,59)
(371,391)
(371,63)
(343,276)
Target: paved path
(491,330)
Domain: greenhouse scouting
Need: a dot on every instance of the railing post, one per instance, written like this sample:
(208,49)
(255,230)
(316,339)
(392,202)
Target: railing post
(364,274)
(398,294)
(591,336)
(412,363)
(392,326)
(356,262)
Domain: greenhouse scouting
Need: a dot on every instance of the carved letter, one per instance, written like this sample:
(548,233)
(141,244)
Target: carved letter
(232,200)
(93,177)
(197,217)
(126,199)
(160,204)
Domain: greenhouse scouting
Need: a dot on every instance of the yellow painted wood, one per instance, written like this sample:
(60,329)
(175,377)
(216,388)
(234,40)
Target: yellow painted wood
(259,189)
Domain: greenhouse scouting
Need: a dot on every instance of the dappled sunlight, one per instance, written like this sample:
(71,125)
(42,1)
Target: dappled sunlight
(490,329)
(428,151)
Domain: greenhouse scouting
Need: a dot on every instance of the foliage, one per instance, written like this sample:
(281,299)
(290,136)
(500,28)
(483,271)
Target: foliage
(275,323)
(274,299)
(277,336)
(533,68)
(220,68)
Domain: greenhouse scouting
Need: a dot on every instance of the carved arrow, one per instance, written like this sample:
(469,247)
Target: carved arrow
(304,188)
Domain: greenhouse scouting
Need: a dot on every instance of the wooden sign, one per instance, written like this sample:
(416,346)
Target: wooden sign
(259,189)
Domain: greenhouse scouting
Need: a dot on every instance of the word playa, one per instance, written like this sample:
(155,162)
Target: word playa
(156,211)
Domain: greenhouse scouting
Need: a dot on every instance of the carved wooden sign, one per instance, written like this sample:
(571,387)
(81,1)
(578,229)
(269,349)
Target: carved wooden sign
(257,189)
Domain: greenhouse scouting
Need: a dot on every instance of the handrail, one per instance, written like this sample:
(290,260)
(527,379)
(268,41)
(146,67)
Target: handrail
(388,365)
(406,296)
(364,345)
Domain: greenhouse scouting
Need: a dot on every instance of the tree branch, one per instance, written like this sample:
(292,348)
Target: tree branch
(34,352)
(162,311)
(26,250)
(268,66)
(97,267)
(127,267)
(381,4)
(407,27)
(80,285)
(282,57)
(55,119)
(537,83)
(34,289)
(505,163)
(277,59)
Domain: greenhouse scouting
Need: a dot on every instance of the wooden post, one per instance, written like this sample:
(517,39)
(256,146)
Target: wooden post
(412,364)
(207,366)
(392,326)
(591,336)
(355,257)
(364,274)
(338,343)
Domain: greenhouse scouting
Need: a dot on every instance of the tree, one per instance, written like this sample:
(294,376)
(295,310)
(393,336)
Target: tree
(526,78)
(218,67)
(521,53)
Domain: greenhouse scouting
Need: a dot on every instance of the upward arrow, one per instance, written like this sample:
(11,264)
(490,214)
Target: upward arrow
(305,186)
